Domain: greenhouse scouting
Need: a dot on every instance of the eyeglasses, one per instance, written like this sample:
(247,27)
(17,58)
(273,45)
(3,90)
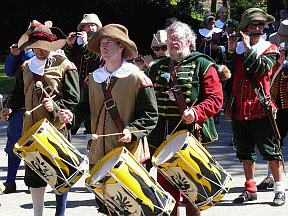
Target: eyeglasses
(254,26)
(164,48)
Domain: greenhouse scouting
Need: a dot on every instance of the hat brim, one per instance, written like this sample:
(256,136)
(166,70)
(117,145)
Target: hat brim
(130,49)
(24,42)
(45,45)
(251,15)
(278,41)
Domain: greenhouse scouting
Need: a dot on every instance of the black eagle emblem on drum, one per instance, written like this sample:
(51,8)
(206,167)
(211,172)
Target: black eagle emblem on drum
(181,182)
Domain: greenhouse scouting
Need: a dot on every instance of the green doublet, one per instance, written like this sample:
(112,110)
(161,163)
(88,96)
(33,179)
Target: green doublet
(189,79)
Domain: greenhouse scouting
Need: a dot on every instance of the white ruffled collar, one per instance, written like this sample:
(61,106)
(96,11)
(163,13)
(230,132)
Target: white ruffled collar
(259,48)
(100,75)
(208,33)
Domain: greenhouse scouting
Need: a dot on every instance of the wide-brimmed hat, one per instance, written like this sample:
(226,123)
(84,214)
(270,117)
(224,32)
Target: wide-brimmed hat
(280,38)
(43,37)
(254,14)
(89,18)
(117,32)
(159,39)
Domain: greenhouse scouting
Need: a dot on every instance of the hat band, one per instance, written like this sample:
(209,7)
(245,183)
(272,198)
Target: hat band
(286,36)
(37,35)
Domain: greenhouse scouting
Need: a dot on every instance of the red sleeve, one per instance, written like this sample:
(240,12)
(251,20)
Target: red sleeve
(212,94)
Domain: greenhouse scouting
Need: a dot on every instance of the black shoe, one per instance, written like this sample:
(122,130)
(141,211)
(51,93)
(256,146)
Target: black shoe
(246,196)
(9,188)
(279,199)
(266,183)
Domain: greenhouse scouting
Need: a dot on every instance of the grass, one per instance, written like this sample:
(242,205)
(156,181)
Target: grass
(6,83)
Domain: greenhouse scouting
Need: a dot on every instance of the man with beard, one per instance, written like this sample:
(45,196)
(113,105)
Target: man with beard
(202,97)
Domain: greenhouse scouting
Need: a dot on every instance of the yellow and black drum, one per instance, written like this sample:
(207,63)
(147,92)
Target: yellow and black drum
(125,187)
(46,151)
(191,169)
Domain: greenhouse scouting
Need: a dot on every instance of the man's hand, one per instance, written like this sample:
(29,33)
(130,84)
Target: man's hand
(232,41)
(65,116)
(126,137)
(15,51)
(71,38)
(188,116)
(246,40)
(5,114)
(48,104)
(83,35)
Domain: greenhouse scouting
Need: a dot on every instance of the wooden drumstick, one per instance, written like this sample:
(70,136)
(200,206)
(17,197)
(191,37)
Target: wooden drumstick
(169,136)
(95,136)
(35,108)
(40,85)
(1,97)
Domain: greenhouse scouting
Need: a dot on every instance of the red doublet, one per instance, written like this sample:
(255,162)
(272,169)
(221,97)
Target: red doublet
(246,104)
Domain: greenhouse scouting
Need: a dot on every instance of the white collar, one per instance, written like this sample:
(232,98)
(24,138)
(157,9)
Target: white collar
(101,74)
(259,48)
(219,24)
(208,33)
(38,66)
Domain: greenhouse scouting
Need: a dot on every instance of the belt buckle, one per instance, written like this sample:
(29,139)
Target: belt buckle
(110,106)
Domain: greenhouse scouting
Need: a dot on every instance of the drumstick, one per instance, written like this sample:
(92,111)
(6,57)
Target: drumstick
(1,97)
(169,136)
(40,85)
(95,136)
(35,108)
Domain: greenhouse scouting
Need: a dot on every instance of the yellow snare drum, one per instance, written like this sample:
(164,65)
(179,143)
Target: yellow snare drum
(123,185)
(46,151)
(191,169)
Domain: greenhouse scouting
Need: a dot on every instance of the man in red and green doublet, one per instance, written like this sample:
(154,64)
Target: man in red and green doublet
(250,123)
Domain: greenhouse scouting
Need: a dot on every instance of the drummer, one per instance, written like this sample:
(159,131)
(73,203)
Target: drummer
(200,100)
(60,79)
(131,105)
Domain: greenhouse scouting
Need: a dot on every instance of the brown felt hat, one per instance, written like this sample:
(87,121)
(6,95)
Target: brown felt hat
(43,37)
(117,32)
(254,14)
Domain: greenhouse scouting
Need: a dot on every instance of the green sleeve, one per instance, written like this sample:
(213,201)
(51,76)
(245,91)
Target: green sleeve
(259,64)
(70,90)
(146,112)
(81,111)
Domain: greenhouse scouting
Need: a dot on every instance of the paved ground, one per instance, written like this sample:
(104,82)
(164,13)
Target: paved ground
(81,201)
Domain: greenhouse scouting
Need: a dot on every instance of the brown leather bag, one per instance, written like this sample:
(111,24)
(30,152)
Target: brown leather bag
(228,107)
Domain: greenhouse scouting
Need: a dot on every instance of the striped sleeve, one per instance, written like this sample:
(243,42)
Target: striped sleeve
(261,64)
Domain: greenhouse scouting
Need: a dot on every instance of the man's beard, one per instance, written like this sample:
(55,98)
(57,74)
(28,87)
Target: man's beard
(179,54)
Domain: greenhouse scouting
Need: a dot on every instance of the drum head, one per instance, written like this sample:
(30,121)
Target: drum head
(105,168)
(170,149)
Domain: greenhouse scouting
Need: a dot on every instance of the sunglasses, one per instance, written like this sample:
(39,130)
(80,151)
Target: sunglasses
(164,48)
(254,26)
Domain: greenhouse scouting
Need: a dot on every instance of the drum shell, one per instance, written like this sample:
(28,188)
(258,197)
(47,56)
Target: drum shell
(193,171)
(46,151)
(128,185)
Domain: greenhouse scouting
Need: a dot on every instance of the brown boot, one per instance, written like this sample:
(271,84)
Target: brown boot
(191,210)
